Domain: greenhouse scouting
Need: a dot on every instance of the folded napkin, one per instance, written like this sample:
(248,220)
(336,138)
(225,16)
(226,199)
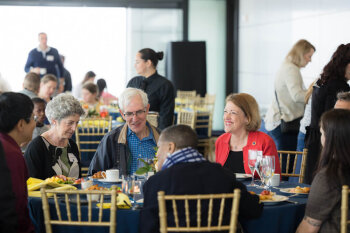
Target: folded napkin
(34,185)
(123,202)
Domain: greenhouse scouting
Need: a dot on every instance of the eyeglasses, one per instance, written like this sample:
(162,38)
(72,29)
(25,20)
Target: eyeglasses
(137,113)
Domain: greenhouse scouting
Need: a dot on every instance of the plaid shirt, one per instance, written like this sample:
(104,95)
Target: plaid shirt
(186,155)
(140,149)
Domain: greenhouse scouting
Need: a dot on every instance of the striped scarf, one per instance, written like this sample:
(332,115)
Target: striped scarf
(186,155)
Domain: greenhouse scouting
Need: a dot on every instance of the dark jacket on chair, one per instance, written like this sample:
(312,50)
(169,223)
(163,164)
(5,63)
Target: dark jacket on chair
(193,178)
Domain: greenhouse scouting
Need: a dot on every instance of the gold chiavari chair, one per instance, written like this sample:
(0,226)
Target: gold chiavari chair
(78,218)
(152,118)
(199,202)
(187,118)
(185,94)
(285,157)
(88,135)
(344,210)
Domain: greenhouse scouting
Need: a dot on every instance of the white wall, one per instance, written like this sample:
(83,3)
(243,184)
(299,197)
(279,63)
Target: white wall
(269,28)
(207,20)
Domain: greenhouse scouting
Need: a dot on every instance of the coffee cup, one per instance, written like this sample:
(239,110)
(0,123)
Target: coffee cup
(111,175)
(275,180)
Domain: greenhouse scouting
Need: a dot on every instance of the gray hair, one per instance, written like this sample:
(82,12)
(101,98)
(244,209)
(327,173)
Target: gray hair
(344,96)
(128,94)
(62,106)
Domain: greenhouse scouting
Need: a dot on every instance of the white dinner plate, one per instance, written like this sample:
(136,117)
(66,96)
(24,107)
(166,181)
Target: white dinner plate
(243,176)
(289,190)
(276,199)
(109,181)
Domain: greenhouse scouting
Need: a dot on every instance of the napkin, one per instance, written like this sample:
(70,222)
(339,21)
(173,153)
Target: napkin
(34,185)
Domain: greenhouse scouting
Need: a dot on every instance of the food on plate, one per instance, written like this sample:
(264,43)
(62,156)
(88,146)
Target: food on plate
(266,195)
(61,179)
(78,181)
(251,192)
(98,175)
(299,189)
(96,187)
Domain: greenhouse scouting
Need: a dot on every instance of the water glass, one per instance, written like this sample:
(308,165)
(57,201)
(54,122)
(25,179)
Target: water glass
(252,157)
(268,169)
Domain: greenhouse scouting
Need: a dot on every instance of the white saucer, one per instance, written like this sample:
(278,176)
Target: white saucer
(110,181)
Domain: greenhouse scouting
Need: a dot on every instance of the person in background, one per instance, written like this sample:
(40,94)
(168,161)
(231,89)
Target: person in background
(289,96)
(67,77)
(183,170)
(104,96)
(8,216)
(40,117)
(90,100)
(343,101)
(16,127)
(322,213)
(4,86)
(305,121)
(44,59)
(241,122)
(333,80)
(31,85)
(54,152)
(48,85)
(89,77)
(160,91)
(122,147)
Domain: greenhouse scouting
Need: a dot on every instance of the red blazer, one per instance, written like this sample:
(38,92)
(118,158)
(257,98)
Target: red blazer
(256,141)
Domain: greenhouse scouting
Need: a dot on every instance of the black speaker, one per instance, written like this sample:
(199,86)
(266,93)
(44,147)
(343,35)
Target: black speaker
(186,66)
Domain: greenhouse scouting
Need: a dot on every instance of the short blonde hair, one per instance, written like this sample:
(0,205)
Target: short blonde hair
(250,108)
(296,54)
(47,78)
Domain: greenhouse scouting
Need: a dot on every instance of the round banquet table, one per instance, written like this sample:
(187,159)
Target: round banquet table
(284,217)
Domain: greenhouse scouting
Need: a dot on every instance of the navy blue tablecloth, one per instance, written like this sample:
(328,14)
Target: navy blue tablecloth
(280,218)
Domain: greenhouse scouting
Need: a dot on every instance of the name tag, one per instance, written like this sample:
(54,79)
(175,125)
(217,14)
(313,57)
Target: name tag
(72,158)
(50,58)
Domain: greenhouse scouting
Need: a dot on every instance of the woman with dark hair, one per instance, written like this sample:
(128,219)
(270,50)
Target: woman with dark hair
(89,77)
(160,91)
(90,99)
(333,80)
(322,212)
(104,96)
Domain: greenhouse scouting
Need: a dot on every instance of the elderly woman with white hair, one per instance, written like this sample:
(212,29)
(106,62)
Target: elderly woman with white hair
(123,147)
(54,152)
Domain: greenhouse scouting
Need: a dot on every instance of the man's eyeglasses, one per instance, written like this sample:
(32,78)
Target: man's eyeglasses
(137,113)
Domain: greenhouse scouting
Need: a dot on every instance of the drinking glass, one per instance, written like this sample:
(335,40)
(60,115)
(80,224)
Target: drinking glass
(268,169)
(252,157)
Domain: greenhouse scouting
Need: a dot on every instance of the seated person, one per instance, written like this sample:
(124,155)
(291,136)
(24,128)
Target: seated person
(48,85)
(241,122)
(104,96)
(122,147)
(54,152)
(183,170)
(322,213)
(16,127)
(90,100)
(343,100)
(31,85)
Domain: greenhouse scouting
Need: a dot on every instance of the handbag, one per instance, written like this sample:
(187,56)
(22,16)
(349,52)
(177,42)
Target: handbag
(290,126)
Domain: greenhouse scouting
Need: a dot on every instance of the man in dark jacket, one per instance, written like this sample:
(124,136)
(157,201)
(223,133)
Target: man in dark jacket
(183,170)
(124,146)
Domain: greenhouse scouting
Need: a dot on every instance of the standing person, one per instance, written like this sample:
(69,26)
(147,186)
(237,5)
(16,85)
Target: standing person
(67,77)
(31,85)
(54,152)
(44,59)
(322,213)
(333,80)
(183,170)
(89,77)
(48,85)
(160,91)
(288,102)
(16,127)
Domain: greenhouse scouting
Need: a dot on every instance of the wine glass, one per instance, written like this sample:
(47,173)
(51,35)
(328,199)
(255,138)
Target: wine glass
(268,169)
(252,157)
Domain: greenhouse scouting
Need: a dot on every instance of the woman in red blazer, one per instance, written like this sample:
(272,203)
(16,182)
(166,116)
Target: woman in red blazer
(241,122)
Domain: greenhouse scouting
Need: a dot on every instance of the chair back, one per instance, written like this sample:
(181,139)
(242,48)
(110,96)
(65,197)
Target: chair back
(294,163)
(185,94)
(187,118)
(344,210)
(152,118)
(88,135)
(197,200)
(65,215)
